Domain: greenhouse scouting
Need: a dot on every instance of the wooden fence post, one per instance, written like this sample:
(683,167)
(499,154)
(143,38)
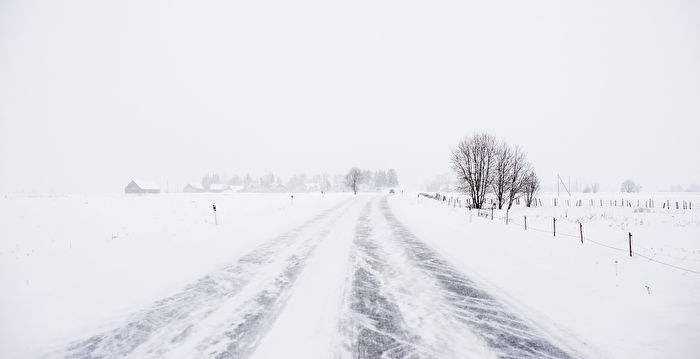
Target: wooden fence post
(630,244)
(580,227)
(525,223)
(555,227)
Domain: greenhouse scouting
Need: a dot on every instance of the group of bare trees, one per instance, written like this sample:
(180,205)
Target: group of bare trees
(485,165)
(270,183)
(372,180)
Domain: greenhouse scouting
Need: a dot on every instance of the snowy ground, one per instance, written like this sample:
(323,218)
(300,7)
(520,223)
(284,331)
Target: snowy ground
(642,306)
(341,276)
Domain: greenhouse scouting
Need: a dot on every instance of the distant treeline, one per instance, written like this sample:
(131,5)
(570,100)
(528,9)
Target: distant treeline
(371,180)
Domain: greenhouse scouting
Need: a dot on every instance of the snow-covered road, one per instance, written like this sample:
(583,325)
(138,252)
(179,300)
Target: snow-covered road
(352,282)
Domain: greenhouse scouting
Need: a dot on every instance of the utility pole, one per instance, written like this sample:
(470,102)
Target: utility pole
(559,180)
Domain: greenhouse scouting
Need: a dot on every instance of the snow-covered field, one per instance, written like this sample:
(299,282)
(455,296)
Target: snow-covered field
(596,293)
(74,265)
(344,276)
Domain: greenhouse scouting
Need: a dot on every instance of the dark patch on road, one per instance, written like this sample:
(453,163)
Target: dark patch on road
(376,326)
(504,332)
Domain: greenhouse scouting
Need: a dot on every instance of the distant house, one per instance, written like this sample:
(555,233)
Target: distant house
(139,186)
(233,188)
(193,188)
(219,187)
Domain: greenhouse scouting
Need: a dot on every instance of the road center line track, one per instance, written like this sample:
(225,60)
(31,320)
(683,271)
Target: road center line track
(373,322)
(253,318)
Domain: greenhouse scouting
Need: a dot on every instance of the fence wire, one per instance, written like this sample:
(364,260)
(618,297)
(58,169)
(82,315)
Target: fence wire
(588,239)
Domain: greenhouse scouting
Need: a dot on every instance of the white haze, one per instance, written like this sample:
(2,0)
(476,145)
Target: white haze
(95,93)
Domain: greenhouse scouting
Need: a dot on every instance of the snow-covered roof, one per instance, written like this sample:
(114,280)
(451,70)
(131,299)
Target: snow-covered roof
(194,185)
(219,187)
(146,184)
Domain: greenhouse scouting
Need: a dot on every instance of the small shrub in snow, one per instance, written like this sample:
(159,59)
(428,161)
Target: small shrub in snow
(630,186)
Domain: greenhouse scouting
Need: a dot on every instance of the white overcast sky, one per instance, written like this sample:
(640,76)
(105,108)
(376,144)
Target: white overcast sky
(94,93)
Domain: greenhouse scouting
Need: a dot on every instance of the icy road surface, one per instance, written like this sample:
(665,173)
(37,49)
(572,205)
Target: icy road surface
(352,282)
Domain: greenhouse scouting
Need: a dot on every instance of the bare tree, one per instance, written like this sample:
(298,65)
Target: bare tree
(629,186)
(472,162)
(325,182)
(517,175)
(392,179)
(380,180)
(247,180)
(267,181)
(502,168)
(210,179)
(531,186)
(353,179)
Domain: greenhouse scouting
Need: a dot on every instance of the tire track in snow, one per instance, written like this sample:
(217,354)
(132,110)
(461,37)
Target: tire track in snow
(373,324)
(504,332)
(171,320)
(254,317)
